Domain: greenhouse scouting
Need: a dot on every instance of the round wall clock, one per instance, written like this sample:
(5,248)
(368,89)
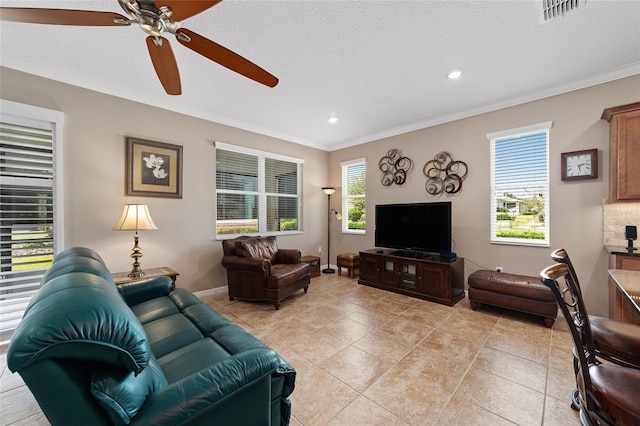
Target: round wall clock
(579,164)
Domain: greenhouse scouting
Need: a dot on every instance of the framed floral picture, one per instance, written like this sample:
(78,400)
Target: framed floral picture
(154,169)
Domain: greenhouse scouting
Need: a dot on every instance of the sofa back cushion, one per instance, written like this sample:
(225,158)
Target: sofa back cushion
(81,316)
(229,246)
(258,248)
(67,264)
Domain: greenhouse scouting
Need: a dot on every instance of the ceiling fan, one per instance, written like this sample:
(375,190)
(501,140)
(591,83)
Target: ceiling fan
(155,17)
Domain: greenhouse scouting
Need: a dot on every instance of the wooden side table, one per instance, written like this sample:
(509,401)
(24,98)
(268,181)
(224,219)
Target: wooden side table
(123,277)
(314,263)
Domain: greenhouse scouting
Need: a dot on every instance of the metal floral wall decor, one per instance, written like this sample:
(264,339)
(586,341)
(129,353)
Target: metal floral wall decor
(394,167)
(444,174)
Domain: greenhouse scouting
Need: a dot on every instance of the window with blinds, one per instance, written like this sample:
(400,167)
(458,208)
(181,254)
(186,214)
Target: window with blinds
(520,185)
(256,192)
(28,230)
(354,196)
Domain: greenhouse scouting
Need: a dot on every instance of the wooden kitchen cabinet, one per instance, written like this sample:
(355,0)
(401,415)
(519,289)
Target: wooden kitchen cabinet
(624,152)
(621,305)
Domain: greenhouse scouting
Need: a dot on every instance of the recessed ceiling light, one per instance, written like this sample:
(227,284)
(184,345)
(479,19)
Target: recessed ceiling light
(453,74)
(332,120)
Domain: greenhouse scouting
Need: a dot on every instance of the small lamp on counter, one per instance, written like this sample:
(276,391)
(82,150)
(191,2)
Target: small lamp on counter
(631,234)
(135,217)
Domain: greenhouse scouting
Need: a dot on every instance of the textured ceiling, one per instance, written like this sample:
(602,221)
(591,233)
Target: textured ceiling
(378,65)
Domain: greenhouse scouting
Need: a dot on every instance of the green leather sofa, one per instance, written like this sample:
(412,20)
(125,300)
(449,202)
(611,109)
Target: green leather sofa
(93,353)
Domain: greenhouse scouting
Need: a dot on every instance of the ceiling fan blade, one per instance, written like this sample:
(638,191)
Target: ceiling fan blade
(186,9)
(225,57)
(61,16)
(165,64)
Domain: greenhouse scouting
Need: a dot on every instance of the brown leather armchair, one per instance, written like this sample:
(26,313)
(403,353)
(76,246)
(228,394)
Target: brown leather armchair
(258,270)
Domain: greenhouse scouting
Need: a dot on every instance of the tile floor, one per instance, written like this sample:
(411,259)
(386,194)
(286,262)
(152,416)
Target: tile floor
(370,357)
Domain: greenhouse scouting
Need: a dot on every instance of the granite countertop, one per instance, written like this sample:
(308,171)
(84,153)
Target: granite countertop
(622,250)
(629,283)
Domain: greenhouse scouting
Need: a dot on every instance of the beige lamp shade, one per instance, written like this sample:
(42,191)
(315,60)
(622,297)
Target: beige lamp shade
(329,190)
(135,217)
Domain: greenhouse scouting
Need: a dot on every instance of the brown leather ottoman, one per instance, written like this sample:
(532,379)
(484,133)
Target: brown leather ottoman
(511,291)
(351,261)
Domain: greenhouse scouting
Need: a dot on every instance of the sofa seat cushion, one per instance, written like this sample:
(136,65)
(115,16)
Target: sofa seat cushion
(121,393)
(204,318)
(283,275)
(235,339)
(171,333)
(155,309)
(192,358)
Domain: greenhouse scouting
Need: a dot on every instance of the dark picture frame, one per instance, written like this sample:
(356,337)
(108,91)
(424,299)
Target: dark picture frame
(153,169)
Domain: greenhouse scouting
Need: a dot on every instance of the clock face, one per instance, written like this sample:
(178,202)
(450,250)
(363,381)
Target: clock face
(579,165)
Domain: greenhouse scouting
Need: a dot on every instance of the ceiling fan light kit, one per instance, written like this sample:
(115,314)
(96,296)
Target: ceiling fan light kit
(154,18)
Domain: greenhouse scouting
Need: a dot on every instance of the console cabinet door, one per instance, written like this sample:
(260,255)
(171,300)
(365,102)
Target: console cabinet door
(399,273)
(369,268)
(389,275)
(434,280)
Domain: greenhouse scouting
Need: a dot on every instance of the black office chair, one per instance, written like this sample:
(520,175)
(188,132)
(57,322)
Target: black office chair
(607,394)
(615,341)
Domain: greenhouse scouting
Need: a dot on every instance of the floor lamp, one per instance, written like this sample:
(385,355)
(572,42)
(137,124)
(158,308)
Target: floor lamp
(328,190)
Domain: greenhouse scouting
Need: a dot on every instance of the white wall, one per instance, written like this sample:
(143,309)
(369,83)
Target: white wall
(94,171)
(576,207)
(96,125)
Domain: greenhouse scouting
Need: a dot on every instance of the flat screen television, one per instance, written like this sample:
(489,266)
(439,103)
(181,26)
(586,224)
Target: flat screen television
(414,229)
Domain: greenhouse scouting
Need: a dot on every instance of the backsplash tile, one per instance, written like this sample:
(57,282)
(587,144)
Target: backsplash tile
(616,216)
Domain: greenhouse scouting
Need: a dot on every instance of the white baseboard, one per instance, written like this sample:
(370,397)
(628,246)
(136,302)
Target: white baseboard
(211,291)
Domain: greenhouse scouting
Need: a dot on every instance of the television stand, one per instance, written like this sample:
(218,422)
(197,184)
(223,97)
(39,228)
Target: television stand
(428,277)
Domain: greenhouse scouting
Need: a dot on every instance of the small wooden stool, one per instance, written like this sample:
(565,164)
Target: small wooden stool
(351,261)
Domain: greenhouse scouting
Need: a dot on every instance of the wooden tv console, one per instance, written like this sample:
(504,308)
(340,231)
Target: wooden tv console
(429,277)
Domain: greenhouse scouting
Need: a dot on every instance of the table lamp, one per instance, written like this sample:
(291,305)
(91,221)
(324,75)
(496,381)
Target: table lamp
(135,217)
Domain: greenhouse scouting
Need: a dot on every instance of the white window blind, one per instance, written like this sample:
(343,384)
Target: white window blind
(520,186)
(256,192)
(28,230)
(354,196)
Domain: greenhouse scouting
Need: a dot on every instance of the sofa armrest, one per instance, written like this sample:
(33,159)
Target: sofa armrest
(201,394)
(247,263)
(288,374)
(287,256)
(147,289)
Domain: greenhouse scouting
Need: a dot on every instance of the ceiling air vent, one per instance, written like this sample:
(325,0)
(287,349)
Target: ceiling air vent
(555,8)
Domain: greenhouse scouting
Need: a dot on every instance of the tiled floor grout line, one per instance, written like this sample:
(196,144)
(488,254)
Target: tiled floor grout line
(546,379)
(377,328)
(361,394)
(467,372)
